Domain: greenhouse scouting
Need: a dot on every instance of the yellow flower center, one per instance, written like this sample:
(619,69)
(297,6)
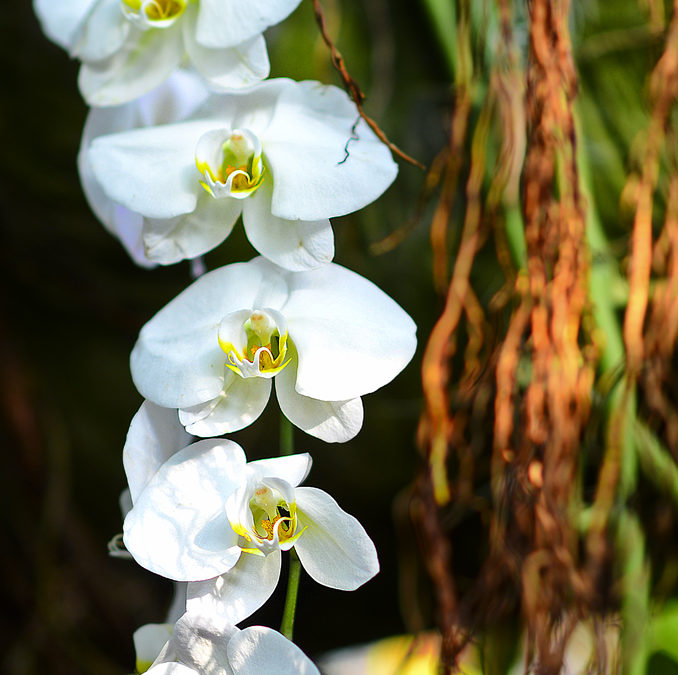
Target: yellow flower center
(236,169)
(264,341)
(157,10)
(268,509)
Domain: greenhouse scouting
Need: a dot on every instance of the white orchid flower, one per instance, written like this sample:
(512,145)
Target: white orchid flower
(149,641)
(209,516)
(284,154)
(206,645)
(128,47)
(326,336)
(154,435)
(175,99)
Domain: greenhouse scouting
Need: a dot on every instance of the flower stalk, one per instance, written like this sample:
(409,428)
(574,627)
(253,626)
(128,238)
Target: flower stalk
(289,612)
(287,624)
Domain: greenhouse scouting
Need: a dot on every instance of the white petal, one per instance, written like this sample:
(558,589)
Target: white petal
(293,469)
(224,24)
(334,549)
(178,526)
(237,406)
(151,171)
(149,641)
(292,244)
(103,33)
(199,641)
(170,240)
(262,651)
(177,361)
(62,21)
(172,101)
(305,146)
(119,221)
(171,669)
(238,593)
(331,421)
(154,435)
(227,66)
(351,337)
(178,604)
(141,64)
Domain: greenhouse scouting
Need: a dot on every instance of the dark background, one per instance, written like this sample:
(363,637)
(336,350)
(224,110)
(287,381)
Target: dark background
(71,305)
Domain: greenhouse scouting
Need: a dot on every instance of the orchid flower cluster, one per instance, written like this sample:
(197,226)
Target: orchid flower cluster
(184,138)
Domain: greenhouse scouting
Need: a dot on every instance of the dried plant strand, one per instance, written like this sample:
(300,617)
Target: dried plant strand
(436,356)
(438,558)
(353,88)
(664,90)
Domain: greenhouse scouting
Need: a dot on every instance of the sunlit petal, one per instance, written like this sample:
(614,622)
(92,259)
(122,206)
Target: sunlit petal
(240,592)
(351,337)
(321,166)
(331,421)
(258,650)
(225,24)
(292,244)
(238,405)
(178,526)
(154,435)
(335,549)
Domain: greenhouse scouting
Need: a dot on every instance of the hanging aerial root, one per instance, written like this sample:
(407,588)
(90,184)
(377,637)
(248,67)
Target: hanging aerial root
(664,90)
(353,88)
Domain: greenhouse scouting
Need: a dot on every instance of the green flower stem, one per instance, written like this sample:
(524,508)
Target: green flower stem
(287,625)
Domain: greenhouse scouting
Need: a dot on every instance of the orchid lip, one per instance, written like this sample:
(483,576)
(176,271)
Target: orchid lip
(146,14)
(255,342)
(230,163)
(264,515)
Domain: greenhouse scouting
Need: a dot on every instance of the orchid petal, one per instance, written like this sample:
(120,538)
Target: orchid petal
(62,21)
(292,244)
(293,469)
(151,170)
(262,651)
(178,527)
(331,421)
(351,337)
(322,166)
(172,101)
(146,59)
(199,642)
(178,605)
(177,361)
(119,221)
(237,406)
(335,550)
(171,669)
(103,34)
(225,24)
(252,109)
(240,592)
(149,641)
(241,64)
(190,235)
(154,435)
